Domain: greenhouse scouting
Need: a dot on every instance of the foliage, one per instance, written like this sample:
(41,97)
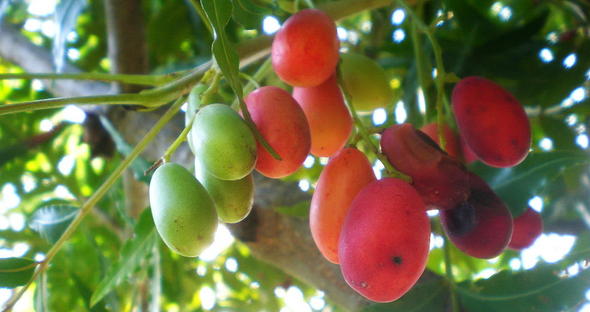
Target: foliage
(538,50)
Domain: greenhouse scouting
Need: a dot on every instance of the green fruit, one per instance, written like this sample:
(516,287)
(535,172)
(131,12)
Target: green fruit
(193,103)
(366,82)
(183,211)
(223,142)
(233,199)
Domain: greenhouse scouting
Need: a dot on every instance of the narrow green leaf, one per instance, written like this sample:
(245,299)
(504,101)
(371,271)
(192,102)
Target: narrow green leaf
(219,12)
(52,220)
(134,252)
(541,289)
(139,165)
(424,297)
(248,13)
(518,184)
(16,272)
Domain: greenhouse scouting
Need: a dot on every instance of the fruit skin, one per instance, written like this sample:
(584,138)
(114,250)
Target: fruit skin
(233,199)
(283,124)
(527,227)
(183,211)
(452,140)
(329,121)
(442,181)
(482,226)
(346,173)
(304,51)
(491,121)
(223,142)
(468,155)
(366,82)
(385,240)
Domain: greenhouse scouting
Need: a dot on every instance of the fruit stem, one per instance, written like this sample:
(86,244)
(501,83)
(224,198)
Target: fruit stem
(97,196)
(364,133)
(181,137)
(440,68)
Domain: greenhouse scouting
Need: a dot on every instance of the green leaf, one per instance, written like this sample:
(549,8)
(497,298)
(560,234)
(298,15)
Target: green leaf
(300,209)
(219,12)
(16,272)
(52,220)
(541,289)
(248,13)
(134,252)
(518,184)
(424,297)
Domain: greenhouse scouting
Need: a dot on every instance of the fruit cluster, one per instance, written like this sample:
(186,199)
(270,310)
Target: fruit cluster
(377,230)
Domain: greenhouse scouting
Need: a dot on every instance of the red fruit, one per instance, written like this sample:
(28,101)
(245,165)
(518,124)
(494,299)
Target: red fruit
(468,155)
(347,172)
(452,141)
(442,181)
(282,123)
(385,240)
(527,227)
(492,122)
(329,120)
(481,227)
(305,50)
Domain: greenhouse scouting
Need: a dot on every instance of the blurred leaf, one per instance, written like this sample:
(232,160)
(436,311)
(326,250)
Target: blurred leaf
(16,272)
(134,252)
(219,12)
(248,13)
(423,297)
(66,14)
(52,220)
(300,209)
(540,289)
(518,184)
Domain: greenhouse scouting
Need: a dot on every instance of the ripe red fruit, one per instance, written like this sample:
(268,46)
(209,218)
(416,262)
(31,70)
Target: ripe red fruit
(468,155)
(329,120)
(481,226)
(442,181)
(282,123)
(385,240)
(305,50)
(347,172)
(527,227)
(492,122)
(452,141)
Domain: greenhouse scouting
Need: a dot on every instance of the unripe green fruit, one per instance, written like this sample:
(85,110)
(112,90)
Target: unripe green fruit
(233,199)
(193,103)
(183,211)
(223,142)
(365,82)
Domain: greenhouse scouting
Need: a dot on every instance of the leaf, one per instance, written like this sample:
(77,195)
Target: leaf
(541,289)
(66,14)
(518,184)
(423,297)
(16,272)
(139,165)
(300,209)
(219,12)
(248,13)
(52,220)
(133,253)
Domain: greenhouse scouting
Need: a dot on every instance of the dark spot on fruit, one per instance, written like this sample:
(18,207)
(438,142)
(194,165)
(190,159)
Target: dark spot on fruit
(428,140)
(397,260)
(462,219)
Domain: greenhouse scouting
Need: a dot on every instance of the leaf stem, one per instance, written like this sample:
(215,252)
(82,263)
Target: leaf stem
(148,80)
(449,272)
(180,139)
(97,196)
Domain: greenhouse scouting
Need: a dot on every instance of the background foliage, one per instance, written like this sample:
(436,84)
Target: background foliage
(539,50)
